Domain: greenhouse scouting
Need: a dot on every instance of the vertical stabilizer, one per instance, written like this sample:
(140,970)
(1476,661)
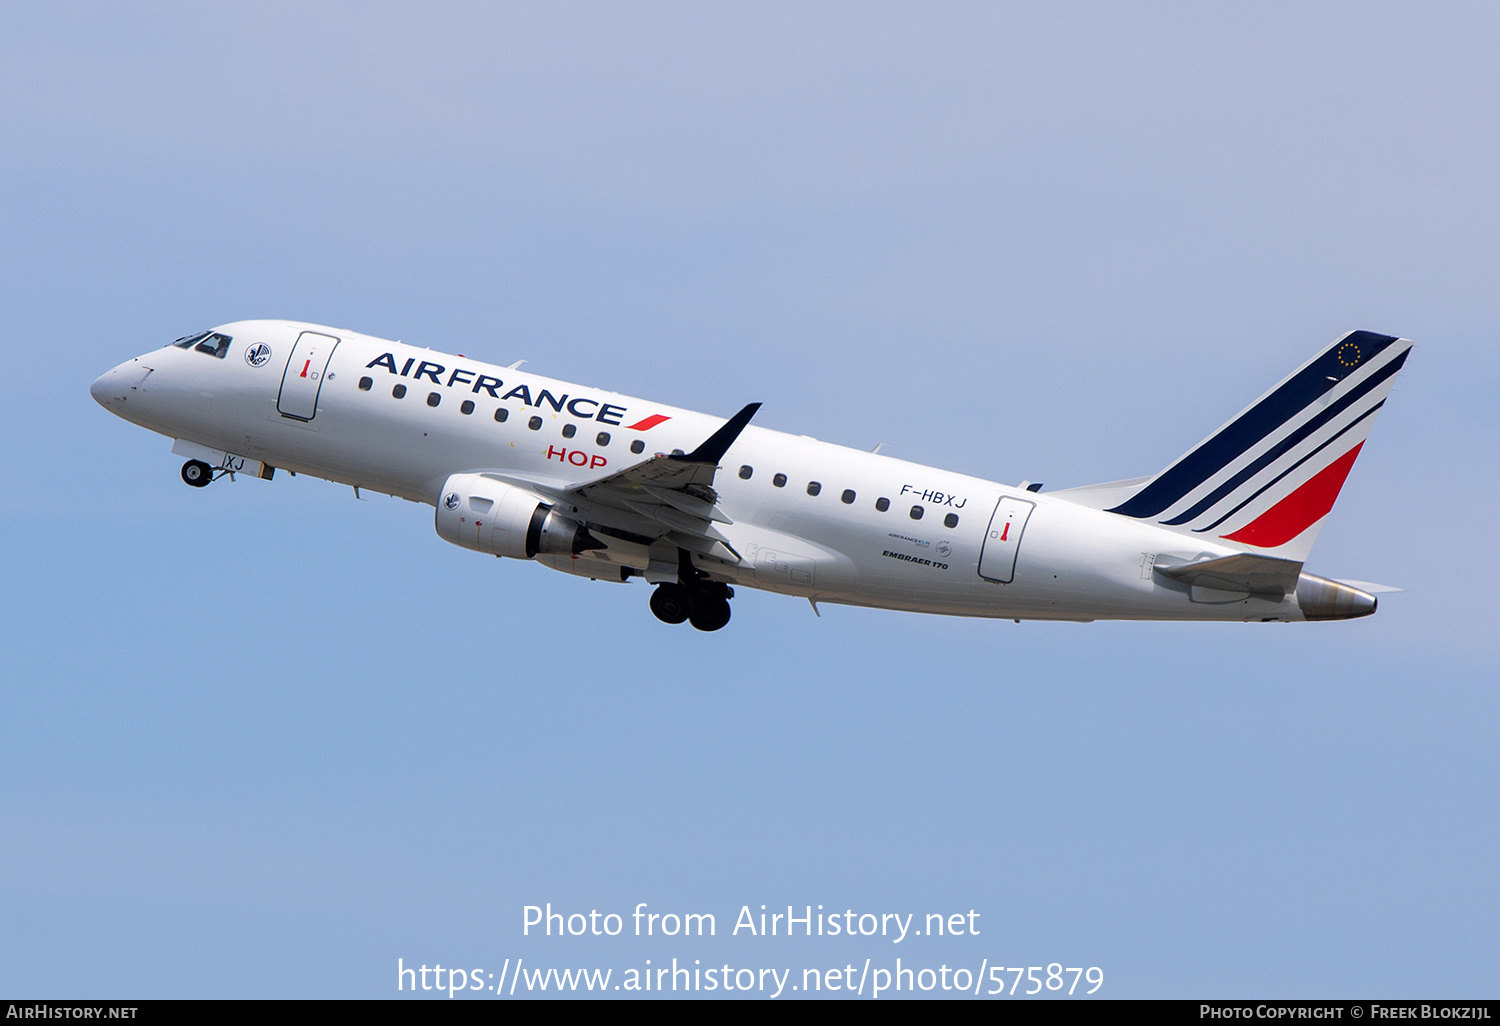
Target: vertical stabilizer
(1265,480)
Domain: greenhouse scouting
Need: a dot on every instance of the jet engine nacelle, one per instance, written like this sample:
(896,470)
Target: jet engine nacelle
(490,516)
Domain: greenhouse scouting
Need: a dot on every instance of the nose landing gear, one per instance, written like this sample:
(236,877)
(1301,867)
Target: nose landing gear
(197,473)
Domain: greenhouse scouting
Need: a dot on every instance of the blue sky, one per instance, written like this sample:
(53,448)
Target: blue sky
(263,739)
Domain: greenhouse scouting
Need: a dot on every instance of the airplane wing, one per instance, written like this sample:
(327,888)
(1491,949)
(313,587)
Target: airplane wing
(673,493)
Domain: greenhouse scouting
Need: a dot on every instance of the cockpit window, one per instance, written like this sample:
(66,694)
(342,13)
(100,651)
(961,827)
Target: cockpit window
(214,345)
(188,341)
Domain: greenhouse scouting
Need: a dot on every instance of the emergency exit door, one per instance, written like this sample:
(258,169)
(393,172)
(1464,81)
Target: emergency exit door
(997,558)
(303,377)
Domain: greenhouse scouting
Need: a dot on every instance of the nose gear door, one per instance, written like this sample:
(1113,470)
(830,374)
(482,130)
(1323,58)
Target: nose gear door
(997,558)
(303,377)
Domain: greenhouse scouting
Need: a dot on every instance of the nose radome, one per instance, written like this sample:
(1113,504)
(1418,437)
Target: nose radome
(101,387)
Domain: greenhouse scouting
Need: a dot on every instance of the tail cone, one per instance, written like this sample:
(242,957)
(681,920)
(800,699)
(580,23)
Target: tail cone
(1322,599)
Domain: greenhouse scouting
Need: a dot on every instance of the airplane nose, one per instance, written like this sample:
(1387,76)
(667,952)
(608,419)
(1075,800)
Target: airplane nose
(100,389)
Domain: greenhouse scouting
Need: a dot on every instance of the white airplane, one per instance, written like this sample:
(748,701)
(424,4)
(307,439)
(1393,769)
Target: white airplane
(612,488)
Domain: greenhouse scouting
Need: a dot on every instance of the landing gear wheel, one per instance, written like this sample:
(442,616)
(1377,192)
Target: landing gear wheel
(671,603)
(197,473)
(710,615)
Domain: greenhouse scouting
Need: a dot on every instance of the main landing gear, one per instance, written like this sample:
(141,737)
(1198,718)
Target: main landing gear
(696,599)
(705,605)
(197,473)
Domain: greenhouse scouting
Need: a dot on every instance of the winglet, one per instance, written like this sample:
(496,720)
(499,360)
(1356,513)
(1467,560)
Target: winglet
(713,450)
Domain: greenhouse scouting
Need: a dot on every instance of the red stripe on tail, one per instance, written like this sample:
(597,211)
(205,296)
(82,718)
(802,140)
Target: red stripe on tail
(1299,510)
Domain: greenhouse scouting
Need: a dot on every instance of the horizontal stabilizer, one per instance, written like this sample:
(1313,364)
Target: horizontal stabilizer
(1374,589)
(1259,575)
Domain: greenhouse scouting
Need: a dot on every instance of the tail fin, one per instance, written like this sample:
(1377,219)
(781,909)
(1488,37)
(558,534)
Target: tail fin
(1265,480)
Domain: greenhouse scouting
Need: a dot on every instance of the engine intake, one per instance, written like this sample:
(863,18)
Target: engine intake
(490,516)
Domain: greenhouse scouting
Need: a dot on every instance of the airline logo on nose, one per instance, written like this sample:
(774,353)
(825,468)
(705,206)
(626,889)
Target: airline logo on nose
(257,354)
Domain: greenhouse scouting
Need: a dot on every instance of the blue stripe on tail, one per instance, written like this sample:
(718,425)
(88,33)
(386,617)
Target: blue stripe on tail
(1284,446)
(1301,390)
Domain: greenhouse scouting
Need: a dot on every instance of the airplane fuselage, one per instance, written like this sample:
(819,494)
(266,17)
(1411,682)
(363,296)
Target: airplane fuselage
(797,515)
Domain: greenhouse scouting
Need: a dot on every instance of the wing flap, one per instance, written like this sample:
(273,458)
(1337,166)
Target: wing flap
(673,518)
(689,504)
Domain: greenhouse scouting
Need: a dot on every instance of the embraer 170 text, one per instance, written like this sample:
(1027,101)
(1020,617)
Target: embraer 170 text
(611,488)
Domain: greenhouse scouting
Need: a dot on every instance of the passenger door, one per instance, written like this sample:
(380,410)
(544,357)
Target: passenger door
(997,559)
(303,378)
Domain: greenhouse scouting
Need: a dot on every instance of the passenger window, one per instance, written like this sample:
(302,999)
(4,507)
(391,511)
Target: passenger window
(882,504)
(745,472)
(365,384)
(535,423)
(678,452)
(569,430)
(214,345)
(637,446)
(399,391)
(603,438)
(951,520)
(916,512)
(813,488)
(779,480)
(501,415)
(466,407)
(433,398)
(847,497)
